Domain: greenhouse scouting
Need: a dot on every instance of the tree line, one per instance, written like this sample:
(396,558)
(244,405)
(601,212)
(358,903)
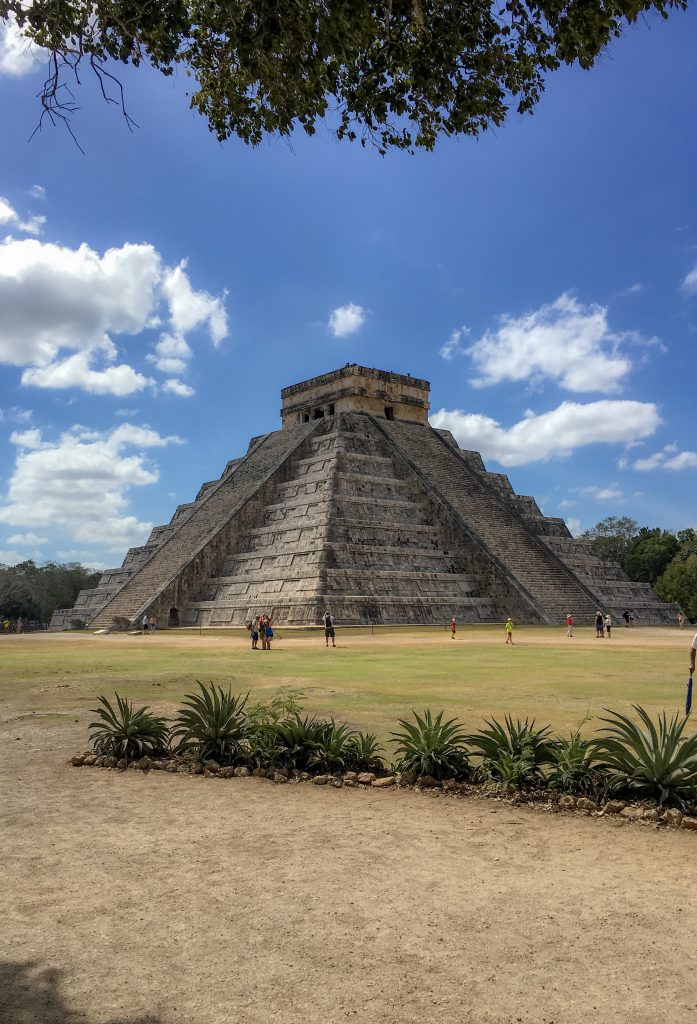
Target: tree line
(666,560)
(33,592)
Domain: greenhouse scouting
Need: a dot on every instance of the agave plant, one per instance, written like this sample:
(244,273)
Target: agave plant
(334,747)
(510,771)
(123,731)
(657,761)
(571,762)
(515,737)
(299,739)
(431,746)
(362,753)
(212,723)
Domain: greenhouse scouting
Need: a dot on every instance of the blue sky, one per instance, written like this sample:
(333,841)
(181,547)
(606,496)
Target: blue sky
(158,292)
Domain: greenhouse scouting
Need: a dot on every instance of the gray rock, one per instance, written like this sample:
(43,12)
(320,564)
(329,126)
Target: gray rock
(450,786)
(614,807)
(144,763)
(584,804)
(389,780)
(366,778)
(122,763)
(320,780)
(183,769)
(304,776)
(260,773)
(350,784)
(90,760)
(110,762)
(280,777)
(633,813)
(689,823)
(672,816)
(337,783)
(407,778)
(351,776)
(77,760)
(426,781)
(242,773)
(651,814)
(212,766)
(567,803)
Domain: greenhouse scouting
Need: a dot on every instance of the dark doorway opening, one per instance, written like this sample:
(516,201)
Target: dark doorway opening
(173,620)
(319,414)
(389,412)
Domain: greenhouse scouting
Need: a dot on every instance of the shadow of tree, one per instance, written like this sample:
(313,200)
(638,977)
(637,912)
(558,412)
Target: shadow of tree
(30,994)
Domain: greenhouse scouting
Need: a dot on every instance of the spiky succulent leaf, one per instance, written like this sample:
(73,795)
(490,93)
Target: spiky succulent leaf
(431,746)
(211,722)
(125,731)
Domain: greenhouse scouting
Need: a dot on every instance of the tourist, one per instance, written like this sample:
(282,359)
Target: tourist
(453,628)
(152,622)
(625,616)
(599,625)
(20,625)
(145,624)
(608,625)
(569,625)
(509,630)
(681,619)
(329,628)
(693,651)
(632,616)
(6,625)
(268,633)
(253,628)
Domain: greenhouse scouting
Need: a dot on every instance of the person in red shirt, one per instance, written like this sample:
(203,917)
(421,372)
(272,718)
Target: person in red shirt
(453,628)
(569,625)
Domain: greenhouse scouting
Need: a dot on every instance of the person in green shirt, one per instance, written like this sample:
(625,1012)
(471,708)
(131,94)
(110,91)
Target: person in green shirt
(509,630)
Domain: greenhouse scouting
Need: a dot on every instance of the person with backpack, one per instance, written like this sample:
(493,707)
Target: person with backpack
(329,628)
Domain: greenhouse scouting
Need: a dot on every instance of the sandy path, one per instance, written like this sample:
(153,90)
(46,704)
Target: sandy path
(182,900)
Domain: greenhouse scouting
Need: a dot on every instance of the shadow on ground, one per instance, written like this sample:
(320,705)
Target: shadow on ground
(30,994)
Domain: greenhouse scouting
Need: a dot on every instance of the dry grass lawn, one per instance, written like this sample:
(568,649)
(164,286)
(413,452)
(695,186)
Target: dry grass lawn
(183,900)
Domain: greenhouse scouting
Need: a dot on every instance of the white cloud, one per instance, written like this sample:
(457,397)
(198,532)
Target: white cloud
(690,280)
(574,525)
(9,216)
(9,557)
(18,56)
(62,307)
(37,191)
(346,319)
(27,438)
(668,458)
(177,387)
(554,434)
(76,372)
(27,539)
(564,341)
(453,346)
(602,493)
(80,483)
(189,309)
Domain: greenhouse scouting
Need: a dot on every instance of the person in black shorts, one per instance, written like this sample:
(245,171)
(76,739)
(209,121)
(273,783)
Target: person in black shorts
(328,628)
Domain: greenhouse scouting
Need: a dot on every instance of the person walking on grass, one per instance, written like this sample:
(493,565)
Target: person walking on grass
(329,633)
(267,635)
(608,625)
(145,625)
(599,625)
(509,630)
(569,625)
(152,622)
(253,628)
(453,628)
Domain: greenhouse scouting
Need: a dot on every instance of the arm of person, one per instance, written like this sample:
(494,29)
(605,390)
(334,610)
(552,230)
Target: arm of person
(693,653)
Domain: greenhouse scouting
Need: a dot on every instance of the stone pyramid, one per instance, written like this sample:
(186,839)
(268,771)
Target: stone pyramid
(359,506)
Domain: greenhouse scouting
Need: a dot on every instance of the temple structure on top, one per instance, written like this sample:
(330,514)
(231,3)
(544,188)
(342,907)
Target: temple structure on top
(359,506)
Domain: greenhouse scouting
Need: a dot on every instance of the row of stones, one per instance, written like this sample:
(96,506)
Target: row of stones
(210,768)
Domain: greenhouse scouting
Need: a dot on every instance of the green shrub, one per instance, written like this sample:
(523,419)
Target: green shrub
(211,724)
(571,762)
(124,732)
(299,739)
(333,749)
(285,704)
(431,746)
(510,771)
(362,753)
(654,762)
(515,738)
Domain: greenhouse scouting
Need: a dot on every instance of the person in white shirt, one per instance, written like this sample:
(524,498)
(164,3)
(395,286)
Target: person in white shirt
(693,652)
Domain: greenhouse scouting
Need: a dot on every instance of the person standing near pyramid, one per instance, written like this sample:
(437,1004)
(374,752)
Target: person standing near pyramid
(329,628)
(453,627)
(509,630)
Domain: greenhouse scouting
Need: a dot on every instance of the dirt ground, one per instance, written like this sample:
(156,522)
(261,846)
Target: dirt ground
(184,900)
